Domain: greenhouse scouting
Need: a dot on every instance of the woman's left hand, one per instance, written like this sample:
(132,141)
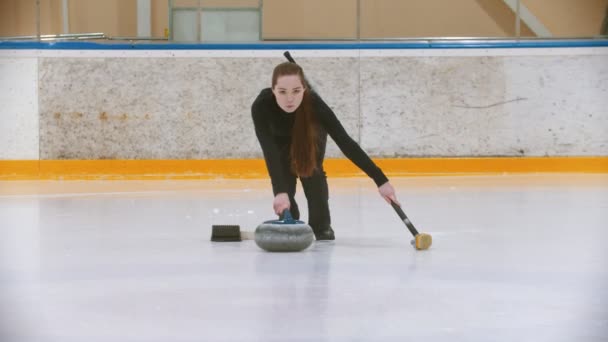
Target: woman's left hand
(388,193)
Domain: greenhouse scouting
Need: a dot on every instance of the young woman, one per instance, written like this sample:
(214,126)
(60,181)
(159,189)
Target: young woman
(292,123)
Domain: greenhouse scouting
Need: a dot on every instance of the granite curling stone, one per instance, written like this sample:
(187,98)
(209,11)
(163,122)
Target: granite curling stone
(286,235)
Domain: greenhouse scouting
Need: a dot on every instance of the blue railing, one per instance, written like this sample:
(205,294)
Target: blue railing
(366,45)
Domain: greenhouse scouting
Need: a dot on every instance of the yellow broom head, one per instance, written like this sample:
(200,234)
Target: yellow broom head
(423,241)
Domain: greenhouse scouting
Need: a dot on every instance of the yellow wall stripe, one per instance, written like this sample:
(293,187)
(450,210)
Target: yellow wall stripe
(19,169)
(256,168)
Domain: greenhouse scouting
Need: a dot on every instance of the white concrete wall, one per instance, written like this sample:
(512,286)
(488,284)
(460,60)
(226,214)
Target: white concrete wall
(554,105)
(18,108)
(166,104)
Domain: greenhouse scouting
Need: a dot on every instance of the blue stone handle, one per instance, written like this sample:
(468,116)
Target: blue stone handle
(287,218)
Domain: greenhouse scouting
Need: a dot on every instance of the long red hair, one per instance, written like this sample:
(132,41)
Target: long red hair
(303,151)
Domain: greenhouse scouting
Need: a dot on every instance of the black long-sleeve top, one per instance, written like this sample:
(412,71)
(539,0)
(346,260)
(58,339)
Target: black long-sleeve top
(273,128)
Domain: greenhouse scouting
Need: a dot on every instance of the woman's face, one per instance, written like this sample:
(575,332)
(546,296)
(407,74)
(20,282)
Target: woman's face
(289,92)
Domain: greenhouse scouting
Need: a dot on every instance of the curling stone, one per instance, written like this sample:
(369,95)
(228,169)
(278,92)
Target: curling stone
(286,235)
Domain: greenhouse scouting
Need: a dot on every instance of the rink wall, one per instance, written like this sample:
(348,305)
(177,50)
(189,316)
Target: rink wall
(171,110)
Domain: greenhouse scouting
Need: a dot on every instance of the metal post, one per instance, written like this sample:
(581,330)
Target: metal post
(198,22)
(170,20)
(144,12)
(260,18)
(358,19)
(517,20)
(38,20)
(65,10)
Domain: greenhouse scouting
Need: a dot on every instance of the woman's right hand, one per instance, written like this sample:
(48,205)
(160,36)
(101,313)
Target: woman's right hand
(280,203)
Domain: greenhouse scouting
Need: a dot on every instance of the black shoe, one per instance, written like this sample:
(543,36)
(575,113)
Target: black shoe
(325,234)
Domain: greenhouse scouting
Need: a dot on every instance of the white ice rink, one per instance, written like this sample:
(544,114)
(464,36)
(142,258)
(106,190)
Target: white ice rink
(514,258)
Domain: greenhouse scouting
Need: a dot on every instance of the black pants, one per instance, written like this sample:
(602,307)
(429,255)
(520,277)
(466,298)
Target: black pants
(315,190)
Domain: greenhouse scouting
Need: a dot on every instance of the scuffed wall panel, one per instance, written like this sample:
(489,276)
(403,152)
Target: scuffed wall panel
(19,109)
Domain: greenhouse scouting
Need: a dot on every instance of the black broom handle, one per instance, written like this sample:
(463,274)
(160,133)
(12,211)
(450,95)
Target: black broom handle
(404,218)
(290,59)
(288,56)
